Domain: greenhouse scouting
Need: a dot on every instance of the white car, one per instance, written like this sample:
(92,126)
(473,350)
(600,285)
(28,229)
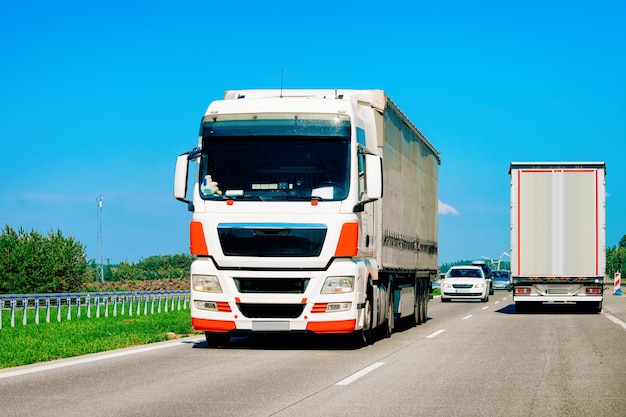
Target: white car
(465,282)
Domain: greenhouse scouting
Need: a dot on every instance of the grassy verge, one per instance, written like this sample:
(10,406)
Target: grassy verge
(22,345)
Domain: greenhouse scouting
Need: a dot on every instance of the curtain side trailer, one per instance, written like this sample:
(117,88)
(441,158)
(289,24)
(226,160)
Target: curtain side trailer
(558,233)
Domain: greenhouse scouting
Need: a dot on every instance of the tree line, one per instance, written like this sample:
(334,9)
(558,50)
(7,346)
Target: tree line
(616,258)
(31,262)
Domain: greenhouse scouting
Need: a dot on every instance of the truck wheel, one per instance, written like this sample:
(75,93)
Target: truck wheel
(362,337)
(425,307)
(522,307)
(388,328)
(417,310)
(216,339)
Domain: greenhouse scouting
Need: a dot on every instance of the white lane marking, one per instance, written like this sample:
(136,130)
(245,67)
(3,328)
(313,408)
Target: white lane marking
(467,317)
(497,302)
(93,358)
(485,307)
(614,319)
(435,334)
(361,373)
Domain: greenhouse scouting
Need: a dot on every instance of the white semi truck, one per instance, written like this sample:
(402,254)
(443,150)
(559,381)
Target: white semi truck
(558,233)
(290,231)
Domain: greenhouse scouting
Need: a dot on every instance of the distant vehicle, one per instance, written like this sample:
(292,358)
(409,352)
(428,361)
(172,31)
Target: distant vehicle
(465,282)
(558,233)
(501,280)
(487,270)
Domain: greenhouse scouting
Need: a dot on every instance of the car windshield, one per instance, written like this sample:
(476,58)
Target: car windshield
(500,275)
(265,158)
(464,273)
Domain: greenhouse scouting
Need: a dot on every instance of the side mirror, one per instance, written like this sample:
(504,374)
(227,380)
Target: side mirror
(373,177)
(180,178)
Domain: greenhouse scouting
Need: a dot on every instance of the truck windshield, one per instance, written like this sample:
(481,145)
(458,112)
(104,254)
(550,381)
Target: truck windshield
(298,158)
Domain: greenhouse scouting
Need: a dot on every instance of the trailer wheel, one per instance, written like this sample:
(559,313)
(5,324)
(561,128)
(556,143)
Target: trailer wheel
(425,306)
(418,309)
(216,339)
(388,328)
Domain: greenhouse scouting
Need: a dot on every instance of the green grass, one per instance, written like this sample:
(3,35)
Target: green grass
(22,345)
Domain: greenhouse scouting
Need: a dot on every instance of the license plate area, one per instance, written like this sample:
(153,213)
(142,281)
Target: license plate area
(557,291)
(270,326)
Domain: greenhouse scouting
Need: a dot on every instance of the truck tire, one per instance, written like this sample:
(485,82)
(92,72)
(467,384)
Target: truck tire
(216,339)
(425,300)
(417,308)
(388,326)
(526,307)
(363,337)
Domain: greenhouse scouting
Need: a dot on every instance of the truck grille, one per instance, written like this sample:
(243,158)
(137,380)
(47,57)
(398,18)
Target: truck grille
(273,311)
(278,240)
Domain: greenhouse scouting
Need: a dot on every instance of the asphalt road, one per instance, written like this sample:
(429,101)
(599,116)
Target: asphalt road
(469,359)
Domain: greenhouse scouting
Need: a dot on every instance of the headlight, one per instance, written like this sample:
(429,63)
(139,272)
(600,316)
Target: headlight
(206,283)
(446,285)
(337,285)
(479,285)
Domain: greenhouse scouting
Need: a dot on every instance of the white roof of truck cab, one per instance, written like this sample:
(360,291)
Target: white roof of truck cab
(376,98)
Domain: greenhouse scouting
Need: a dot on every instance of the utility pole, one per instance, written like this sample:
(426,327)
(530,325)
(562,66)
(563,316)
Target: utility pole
(100,265)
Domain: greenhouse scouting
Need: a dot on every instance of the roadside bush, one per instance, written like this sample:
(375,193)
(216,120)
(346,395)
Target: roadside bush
(33,263)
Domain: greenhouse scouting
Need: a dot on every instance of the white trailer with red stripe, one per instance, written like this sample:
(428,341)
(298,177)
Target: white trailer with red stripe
(558,233)
(290,230)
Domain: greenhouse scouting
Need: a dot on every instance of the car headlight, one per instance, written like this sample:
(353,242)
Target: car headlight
(205,283)
(479,285)
(446,285)
(337,285)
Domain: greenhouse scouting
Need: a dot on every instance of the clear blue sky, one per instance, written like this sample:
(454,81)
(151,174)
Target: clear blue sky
(100,98)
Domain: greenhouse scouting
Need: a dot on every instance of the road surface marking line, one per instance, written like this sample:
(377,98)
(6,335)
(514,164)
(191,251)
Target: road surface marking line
(614,319)
(497,302)
(359,374)
(485,308)
(437,333)
(469,316)
(90,358)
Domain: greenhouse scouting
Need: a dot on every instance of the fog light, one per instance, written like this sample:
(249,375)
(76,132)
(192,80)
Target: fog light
(205,305)
(335,307)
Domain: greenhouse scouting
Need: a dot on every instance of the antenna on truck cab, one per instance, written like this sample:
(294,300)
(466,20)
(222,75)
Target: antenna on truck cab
(281,82)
